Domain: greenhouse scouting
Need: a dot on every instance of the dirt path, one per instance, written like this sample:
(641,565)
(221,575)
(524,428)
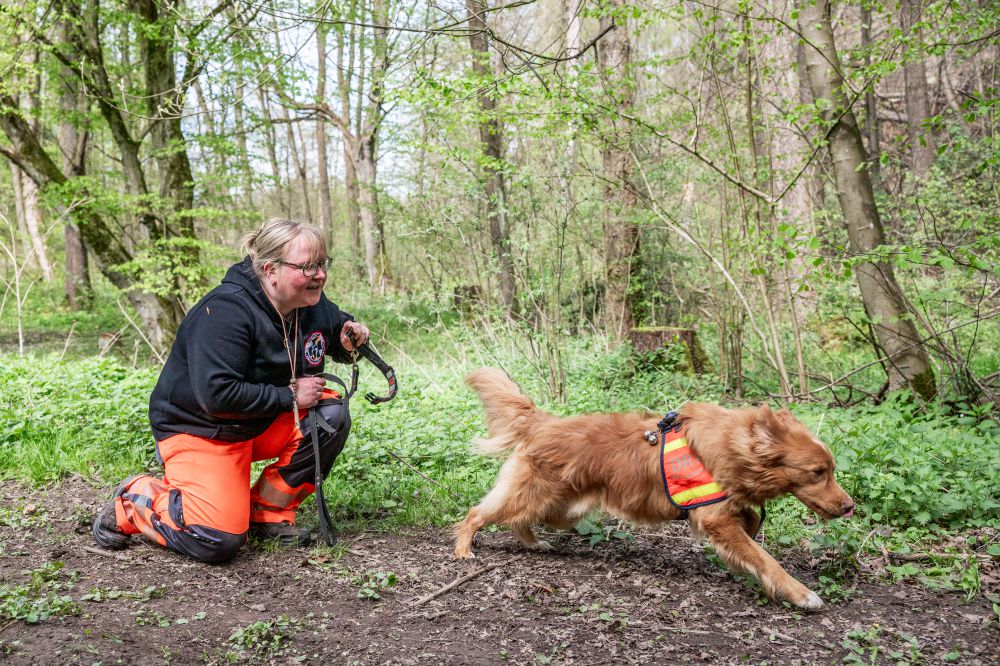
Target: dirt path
(653,599)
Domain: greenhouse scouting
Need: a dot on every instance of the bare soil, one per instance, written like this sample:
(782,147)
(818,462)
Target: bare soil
(653,599)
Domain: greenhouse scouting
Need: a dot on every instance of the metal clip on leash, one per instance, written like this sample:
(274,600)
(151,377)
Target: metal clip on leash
(326,528)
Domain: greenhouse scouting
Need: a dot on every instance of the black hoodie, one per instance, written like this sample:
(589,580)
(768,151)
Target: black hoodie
(228,372)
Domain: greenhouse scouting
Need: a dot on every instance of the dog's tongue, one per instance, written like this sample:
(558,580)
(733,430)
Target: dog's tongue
(850,512)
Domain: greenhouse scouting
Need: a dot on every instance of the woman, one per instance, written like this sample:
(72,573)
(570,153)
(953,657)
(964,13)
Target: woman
(235,389)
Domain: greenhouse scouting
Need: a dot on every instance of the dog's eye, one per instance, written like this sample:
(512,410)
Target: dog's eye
(817,473)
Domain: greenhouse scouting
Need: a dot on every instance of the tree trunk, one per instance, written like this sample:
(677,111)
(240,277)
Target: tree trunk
(29,213)
(906,362)
(157,48)
(621,237)
(813,175)
(871,105)
(33,223)
(375,260)
(345,70)
(298,163)
(270,144)
(246,169)
(73,149)
(491,138)
(574,22)
(366,154)
(322,163)
(919,136)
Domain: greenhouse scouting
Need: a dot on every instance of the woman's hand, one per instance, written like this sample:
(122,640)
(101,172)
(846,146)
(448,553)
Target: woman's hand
(353,335)
(308,391)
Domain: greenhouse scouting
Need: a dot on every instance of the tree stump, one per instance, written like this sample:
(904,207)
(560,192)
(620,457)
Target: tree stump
(653,339)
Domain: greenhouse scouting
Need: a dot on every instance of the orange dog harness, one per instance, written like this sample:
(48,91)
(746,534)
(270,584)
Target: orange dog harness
(686,481)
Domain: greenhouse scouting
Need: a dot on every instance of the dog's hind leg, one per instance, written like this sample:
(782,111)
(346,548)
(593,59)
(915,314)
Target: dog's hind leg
(500,506)
(524,533)
(465,531)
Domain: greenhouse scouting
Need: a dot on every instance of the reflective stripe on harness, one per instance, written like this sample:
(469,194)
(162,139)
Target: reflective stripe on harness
(685,480)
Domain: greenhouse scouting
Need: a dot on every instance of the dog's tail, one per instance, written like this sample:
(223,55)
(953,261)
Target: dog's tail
(510,415)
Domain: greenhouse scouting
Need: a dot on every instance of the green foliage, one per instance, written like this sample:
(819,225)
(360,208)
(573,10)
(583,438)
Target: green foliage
(374,582)
(41,598)
(60,417)
(181,267)
(907,465)
(598,532)
(260,640)
(102,594)
(875,645)
(51,325)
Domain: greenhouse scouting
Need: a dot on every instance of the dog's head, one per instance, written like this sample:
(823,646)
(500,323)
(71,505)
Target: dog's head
(796,462)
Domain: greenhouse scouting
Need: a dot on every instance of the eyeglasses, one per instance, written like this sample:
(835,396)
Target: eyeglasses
(310,270)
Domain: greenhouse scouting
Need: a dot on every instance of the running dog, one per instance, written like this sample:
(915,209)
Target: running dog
(558,469)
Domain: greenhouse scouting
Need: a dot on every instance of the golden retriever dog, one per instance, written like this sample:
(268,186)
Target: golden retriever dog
(558,469)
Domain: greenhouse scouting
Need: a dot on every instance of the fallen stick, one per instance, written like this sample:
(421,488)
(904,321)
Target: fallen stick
(458,581)
(104,553)
(685,630)
(919,557)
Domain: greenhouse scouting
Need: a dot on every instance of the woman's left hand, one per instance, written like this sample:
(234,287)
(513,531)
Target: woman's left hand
(353,335)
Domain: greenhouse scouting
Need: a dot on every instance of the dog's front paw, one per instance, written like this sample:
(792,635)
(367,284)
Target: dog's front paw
(464,554)
(543,546)
(811,601)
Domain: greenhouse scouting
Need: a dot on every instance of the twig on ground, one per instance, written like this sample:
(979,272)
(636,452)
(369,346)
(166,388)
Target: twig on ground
(685,630)
(104,553)
(920,557)
(434,616)
(464,579)
(777,634)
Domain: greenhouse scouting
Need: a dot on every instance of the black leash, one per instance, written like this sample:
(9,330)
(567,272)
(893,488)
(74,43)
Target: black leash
(326,528)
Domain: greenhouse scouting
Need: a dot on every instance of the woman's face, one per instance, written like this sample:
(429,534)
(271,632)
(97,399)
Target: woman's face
(292,288)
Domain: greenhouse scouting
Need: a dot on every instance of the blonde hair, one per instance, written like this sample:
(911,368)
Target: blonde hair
(271,240)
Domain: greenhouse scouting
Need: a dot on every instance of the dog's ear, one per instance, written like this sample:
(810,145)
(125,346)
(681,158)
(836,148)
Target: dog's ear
(768,429)
(785,416)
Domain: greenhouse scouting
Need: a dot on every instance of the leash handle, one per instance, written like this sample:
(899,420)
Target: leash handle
(390,375)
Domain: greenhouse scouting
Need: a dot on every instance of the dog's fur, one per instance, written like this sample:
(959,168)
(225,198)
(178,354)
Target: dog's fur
(558,469)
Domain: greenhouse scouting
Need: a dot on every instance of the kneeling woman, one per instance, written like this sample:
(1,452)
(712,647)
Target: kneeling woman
(235,389)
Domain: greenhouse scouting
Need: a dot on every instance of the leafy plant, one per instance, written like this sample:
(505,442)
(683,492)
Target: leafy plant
(373,582)
(41,598)
(868,645)
(599,532)
(261,639)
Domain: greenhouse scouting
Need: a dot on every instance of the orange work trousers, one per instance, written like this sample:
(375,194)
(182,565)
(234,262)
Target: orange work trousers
(204,504)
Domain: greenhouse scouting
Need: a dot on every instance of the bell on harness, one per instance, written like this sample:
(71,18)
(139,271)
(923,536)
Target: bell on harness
(668,422)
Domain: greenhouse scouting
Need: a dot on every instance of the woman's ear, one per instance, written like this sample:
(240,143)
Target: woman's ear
(269,272)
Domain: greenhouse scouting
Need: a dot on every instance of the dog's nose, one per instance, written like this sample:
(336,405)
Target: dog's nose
(848,509)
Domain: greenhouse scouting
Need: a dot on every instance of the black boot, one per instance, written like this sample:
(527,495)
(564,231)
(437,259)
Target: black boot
(286,534)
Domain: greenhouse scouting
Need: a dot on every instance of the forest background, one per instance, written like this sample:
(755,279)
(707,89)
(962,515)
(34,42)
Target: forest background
(795,202)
